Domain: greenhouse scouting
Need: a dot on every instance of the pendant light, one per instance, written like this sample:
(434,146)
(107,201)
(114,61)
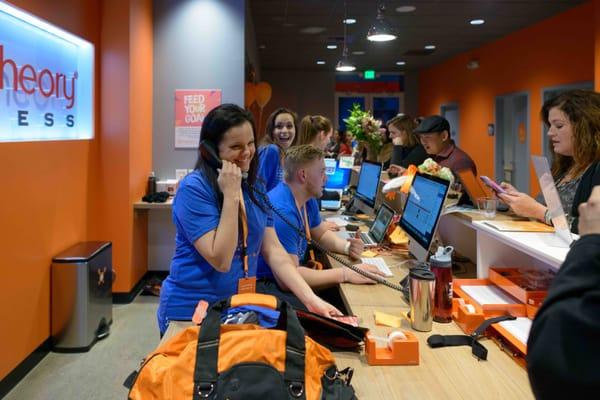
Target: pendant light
(380,31)
(344,65)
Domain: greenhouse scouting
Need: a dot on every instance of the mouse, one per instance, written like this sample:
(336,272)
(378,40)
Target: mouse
(351,228)
(351,218)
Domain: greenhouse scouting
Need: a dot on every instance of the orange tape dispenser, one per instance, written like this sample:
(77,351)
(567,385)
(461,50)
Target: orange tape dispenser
(402,348)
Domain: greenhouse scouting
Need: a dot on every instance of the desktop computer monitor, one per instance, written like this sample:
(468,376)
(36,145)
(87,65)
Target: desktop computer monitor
(337,178)
(368,183)
(422,212)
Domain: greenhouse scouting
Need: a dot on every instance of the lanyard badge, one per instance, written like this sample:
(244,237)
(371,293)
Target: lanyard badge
(246,284)
(312,263)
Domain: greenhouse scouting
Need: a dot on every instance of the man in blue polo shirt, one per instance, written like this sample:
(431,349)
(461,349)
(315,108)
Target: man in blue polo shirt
(295,199)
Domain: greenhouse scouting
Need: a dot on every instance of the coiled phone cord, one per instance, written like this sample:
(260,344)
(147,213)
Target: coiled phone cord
(316,244)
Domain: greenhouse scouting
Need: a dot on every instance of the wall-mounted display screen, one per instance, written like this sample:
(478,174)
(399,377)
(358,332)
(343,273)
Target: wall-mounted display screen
(47,85)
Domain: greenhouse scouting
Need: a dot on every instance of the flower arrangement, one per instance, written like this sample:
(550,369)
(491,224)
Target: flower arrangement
(364,127)
(432,168)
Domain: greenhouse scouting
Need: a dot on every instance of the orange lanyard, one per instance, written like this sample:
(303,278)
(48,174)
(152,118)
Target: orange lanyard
(307,231)
(244,219)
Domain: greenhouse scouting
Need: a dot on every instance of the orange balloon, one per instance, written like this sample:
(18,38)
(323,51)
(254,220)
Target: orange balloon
(263,94)
(249,94)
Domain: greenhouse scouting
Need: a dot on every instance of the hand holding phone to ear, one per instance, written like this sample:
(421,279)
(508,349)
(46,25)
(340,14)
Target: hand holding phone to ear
(230,179)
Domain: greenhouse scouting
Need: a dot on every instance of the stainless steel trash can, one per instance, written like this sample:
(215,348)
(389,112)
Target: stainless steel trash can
(81,296)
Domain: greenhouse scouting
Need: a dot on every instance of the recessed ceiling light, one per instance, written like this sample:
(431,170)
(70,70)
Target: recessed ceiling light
(400,62)
(262,46)
(313,29)
(332,46)
(405,9)
(430,47)
(358,53)
(349,21)
(320,62)
(477,21)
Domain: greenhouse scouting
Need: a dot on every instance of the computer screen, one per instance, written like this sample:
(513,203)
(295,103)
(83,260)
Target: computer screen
(422,212)
(381,223)
(472,185)
(368,182)
(337,178)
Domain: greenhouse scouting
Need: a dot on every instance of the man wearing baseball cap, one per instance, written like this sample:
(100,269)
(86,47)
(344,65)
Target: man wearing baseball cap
(434,132)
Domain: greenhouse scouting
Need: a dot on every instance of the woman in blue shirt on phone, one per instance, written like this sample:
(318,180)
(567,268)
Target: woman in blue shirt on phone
(207,212)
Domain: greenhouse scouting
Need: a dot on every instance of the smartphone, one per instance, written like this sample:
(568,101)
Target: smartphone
(492,185)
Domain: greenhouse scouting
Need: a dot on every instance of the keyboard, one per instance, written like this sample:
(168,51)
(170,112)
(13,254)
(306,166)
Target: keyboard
(379,263)
(366,238)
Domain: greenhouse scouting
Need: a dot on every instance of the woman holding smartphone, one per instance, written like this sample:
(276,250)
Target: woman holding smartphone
(573,120)
(208,211)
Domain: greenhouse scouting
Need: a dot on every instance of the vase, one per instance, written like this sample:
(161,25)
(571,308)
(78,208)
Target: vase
(372,153)
(367,151)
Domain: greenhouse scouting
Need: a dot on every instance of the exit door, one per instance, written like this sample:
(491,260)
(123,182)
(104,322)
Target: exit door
(450,112)
(512,140)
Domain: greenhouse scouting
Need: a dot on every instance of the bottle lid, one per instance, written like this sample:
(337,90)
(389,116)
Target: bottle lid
(443,254)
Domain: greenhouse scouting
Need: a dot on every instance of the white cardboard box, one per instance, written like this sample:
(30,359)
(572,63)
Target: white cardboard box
(168,185)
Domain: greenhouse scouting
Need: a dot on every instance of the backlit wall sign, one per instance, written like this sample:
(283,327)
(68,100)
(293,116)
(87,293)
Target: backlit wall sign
(46,91)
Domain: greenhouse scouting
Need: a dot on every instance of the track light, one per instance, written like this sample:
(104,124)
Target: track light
(380,31)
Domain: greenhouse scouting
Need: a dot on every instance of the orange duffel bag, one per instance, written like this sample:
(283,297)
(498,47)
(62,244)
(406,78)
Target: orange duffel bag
(244,361)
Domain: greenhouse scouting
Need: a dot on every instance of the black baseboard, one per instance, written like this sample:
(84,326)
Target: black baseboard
(14,377)
(127,297)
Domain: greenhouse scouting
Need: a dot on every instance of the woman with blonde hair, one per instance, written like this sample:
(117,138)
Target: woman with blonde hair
(573,120)
(315,130)
(407,146)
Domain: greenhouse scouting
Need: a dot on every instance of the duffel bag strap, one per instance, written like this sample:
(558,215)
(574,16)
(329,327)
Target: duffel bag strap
(295,352)
(207,351)
(478,350)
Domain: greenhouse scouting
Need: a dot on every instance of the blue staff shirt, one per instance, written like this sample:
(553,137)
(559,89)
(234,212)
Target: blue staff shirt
(269,165)
(283,200)
(191,277)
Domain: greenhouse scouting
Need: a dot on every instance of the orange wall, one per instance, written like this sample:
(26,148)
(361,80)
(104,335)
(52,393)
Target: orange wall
(44,209)
(63,192)
(557,51)
(126,144)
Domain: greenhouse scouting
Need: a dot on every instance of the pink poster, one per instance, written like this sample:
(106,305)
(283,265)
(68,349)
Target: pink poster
(191,106)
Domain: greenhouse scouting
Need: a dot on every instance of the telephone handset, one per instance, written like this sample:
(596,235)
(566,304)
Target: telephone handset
(209,153)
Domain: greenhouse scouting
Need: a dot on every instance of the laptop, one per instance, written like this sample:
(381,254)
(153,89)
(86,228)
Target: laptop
(552,199)
(472,185)
(338,179)
(331,199)
(378,229)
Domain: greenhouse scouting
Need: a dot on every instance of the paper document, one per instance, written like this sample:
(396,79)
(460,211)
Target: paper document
(461,209)
(520,226)
(388,320)
(487,294)
(519,328)
(337,220)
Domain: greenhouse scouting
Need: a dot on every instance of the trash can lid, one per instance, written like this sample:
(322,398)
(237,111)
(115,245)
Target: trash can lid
(81,252)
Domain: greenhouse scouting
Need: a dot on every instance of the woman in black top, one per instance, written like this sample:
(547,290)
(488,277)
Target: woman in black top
(407,146)
(573,120)
(563,347)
